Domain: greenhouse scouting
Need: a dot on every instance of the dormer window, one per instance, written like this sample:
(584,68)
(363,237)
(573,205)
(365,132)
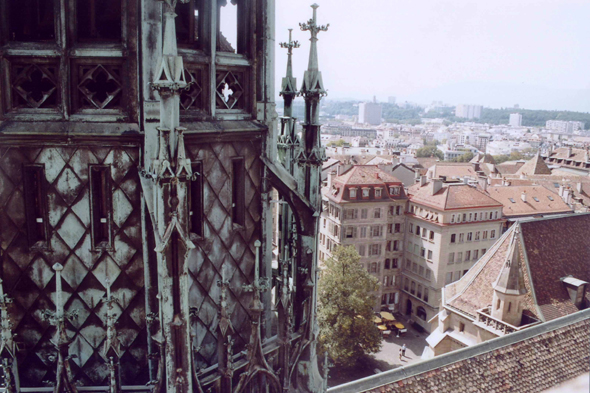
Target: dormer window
(365,192)
(378,192)
(394,190)
(577,290)
(352,192)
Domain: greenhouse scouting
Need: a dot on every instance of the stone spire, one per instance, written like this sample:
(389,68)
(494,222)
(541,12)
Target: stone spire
(312,78)
(510,281)
(289,85)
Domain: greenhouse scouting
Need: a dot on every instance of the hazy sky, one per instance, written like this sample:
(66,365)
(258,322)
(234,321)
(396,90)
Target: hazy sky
(535,53)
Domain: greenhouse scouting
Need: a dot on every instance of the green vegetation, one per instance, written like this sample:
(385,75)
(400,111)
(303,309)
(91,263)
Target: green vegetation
(468,156)
(345,310)
(526,154)
(430,151)
(338,143)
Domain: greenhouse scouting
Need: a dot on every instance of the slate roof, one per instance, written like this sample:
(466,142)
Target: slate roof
(530,365)
(550,249)
(541,205)
(534,166)
(450,196)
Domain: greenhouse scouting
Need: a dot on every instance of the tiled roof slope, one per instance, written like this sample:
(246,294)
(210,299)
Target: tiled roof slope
(365,174)
(556,248)
(452,170)
(531,365)
(455,196)
(509,167)
(534,166)
(543,204)
(563,153)
(475,290)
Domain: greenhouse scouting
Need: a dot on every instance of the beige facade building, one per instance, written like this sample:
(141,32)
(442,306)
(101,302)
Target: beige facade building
(364,207)
(448,228)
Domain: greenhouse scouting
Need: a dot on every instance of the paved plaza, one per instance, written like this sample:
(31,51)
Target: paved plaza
(415,344)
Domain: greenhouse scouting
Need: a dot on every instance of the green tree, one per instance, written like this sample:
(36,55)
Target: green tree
(430,151)
(468,156)
(345,309)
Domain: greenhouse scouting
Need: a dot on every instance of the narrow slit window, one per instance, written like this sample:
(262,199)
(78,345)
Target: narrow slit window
(35,204)
(100,205)
(227,22)
(196,201)
(99,20)
(31,20)
(238,192)
(187,22)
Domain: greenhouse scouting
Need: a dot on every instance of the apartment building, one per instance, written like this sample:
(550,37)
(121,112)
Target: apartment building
(448,228)
(364,207)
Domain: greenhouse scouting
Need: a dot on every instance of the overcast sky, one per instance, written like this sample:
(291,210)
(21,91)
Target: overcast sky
(535,53)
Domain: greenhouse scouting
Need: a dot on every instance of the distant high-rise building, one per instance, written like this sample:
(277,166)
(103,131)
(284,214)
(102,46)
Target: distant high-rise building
(468,111)
(516,106)
(515,120)
(391,100)
(370,113)
(564,126)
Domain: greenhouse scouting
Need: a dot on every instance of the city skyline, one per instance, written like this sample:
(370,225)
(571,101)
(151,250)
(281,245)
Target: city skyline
(494,55)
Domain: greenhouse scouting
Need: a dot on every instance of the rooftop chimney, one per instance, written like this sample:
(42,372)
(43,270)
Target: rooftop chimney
(436,185)
(523,196)
(569,151)
(422,180)
(579,187)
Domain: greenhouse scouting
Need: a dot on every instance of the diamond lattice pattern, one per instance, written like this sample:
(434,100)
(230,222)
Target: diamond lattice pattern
(30,280)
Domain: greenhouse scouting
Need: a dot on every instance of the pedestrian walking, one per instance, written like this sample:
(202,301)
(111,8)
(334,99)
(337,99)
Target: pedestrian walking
(400,354)
(403,350)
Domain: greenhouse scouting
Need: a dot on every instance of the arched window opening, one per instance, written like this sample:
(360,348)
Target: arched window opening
(227,21)
(187,22)
(31,20)
(421,313)
(99,20)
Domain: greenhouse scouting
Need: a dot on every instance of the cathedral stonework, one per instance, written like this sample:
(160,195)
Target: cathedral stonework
(138,160)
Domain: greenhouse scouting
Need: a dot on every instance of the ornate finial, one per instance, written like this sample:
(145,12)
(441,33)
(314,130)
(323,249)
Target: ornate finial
(291,44)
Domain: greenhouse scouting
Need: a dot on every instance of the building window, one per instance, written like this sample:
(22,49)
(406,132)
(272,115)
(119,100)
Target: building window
(429,256)
(35,204)
(422,252)
(364,213)
(421,313)
(387,264)
(426,295)
(414,267)
(419,292)
(406,284)
(431,236)
(196,200)
(376,231)
(418,230)
(477,235)
(377,213)
(428,273)
(374,267)
(509,306)
(363,232)
(470,216)
(424,232)
(398,210)
(464,217)
(98,20)
(362,250)
(467,255)
(398,228)
(349,232)
(100,202)
(187,22)
(239,192)
(469,236)
(483,251)
(459,257)
(461,327)
(449,278)
(377,193)
(408,263)
(365,192)
(421,270)
(492,234)
(475,255)
(453,236)
(498,304)
(352,193)
(461,237)
(451,258)
(375,249)
(411,228)
(484,235)
(496,215)
(394,263)
(453,219)
(413,288)
(31,20)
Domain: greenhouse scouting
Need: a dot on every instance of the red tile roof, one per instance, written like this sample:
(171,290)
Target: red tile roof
(535,166)
(539,200)
(452,170)
(450,196)
(364,176)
